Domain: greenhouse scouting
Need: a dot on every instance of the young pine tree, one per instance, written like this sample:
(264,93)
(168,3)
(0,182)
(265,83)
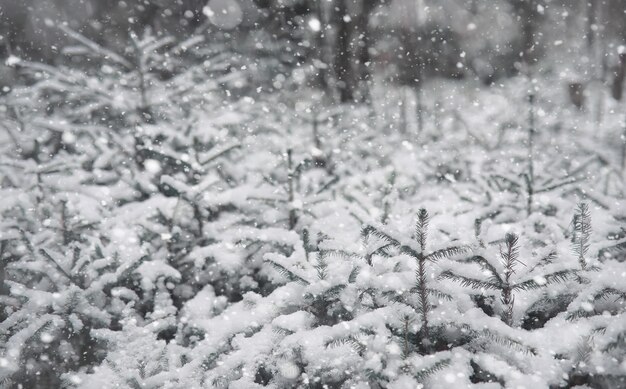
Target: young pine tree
(500,276)
(416,249)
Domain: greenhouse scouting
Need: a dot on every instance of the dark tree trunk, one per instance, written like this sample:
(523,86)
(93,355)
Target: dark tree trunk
(293,216)
(4,288)
(412,69)
(528,31)
(617,89)
(342,65)
(528,15)
(364,43)
(591,21)
(576,94)
(320,43)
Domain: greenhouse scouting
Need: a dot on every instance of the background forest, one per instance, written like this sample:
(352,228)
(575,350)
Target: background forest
(312,194)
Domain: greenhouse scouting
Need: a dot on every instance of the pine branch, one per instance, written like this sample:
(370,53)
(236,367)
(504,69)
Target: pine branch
(579,314)
(501,339)
(614,250)
(548,279)
(58,267)
(394,296)
(423,374)
(215,154)
(131,269)
(558,185)
(448,252)
(584,350)
(370,292)
(281,331)
(620,341)
(510,255)
(327,185)
(382,251)
(440,295)
(340,253)
(6,383)
(334,291)
(546,260)
(370,230)
(421,228)
(351,341)
(95,48)
(375,376)
(354,273)
(291,276)
(601,295)
(411,252)
(606,292)
(485,265)
(582,233)
(513,186)
(468,282)
(321,267)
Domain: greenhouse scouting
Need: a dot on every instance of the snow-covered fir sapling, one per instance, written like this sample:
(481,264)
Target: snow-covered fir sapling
(600,293)
(136,358)
(303,316)
(140,91)
(153,75)
(317,120)
(52,314)
(416,249)
(298,200)
(533,179)
(499,275)
(598,307)
(421,231)
(532,185)
(597,358)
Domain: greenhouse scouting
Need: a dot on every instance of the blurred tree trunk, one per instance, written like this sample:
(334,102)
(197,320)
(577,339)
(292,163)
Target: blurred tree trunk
(596,52)
(320,47)
(364,45)
(527,12)
(576,94)
(4,288)
(342,63)
(413,69)
(412,61)
(617,89)
(528,16)
(591,10)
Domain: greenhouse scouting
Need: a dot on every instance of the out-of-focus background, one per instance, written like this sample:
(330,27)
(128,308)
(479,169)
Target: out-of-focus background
(406,40)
